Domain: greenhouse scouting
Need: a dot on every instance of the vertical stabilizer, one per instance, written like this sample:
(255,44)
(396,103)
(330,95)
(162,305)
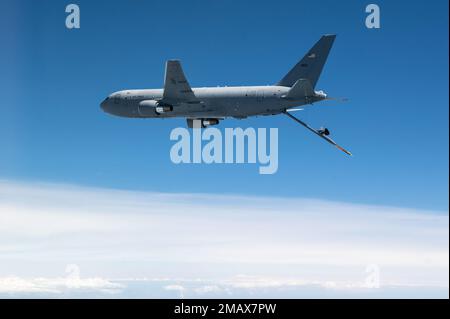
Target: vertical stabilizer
(312,63)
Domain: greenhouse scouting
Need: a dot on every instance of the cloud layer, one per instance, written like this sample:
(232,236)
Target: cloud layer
(223,244)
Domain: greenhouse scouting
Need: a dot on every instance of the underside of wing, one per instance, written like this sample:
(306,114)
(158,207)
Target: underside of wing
(176,88)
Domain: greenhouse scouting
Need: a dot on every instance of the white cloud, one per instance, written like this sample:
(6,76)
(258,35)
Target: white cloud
(274,242)
(16,285)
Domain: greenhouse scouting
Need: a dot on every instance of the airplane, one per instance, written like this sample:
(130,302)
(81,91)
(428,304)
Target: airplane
(210,105)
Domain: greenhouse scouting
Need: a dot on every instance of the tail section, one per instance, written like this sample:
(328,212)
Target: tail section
(312,63)
(302,88)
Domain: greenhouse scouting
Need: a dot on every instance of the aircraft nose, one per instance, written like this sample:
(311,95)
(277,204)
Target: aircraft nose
(104,104)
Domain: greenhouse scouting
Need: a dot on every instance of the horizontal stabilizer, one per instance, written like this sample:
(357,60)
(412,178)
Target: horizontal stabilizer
(301,89)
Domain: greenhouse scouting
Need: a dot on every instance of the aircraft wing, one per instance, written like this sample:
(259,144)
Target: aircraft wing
(176,87)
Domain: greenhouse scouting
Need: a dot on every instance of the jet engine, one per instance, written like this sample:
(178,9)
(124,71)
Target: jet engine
(203,122)
(150,107)
(209,122)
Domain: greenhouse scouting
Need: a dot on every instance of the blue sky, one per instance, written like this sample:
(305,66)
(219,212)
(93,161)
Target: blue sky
(396,122)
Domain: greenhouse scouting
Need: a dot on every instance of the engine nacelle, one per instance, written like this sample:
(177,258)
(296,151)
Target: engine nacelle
(164,109)
(147,108)
(152,107)
(209,122)
(202,122)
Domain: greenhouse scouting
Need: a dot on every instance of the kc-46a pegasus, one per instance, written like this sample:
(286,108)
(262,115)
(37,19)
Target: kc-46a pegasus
(209,105)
